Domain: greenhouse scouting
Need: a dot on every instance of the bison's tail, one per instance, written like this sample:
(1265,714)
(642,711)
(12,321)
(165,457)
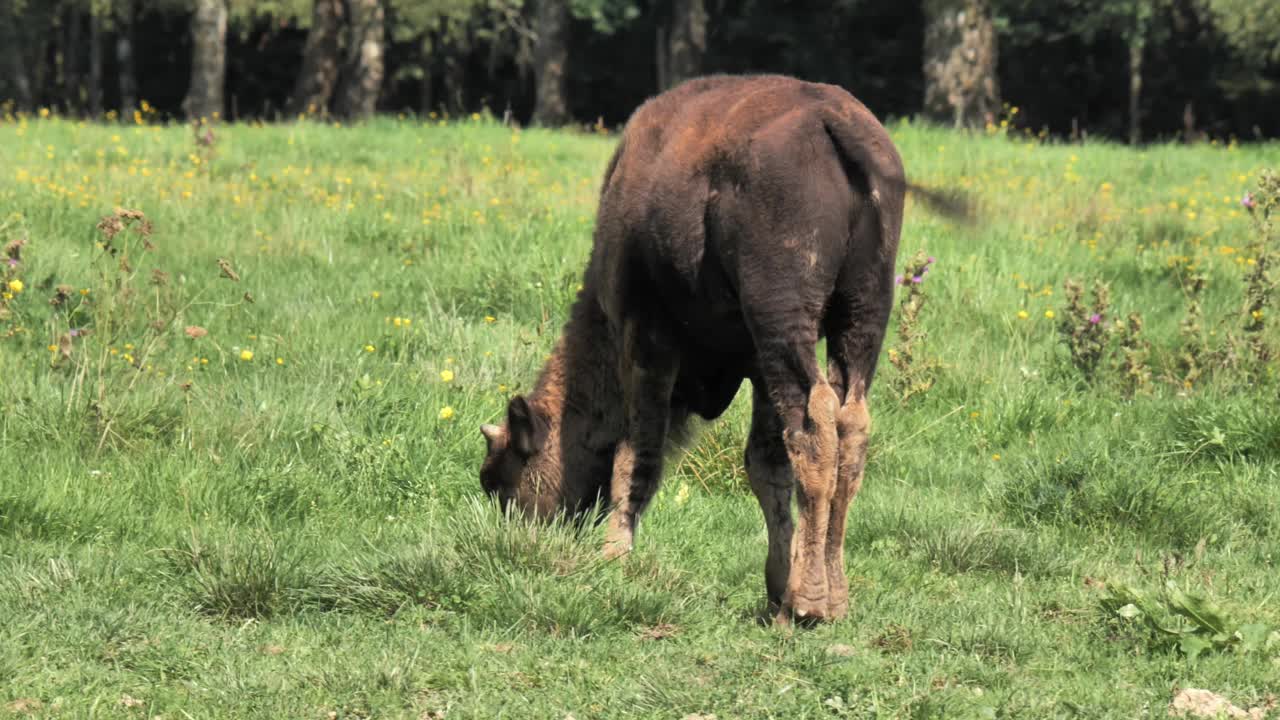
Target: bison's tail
(864,144)
(952,204)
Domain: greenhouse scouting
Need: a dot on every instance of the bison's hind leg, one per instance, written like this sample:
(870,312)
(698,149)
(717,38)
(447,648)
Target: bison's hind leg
(855,326)
(853,422)
(785,333)
(813,452)
(769,472)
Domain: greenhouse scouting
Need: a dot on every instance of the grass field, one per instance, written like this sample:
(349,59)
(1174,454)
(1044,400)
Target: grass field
(217,507)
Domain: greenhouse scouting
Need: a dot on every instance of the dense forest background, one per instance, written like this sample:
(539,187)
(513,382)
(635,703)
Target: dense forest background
(1137,70)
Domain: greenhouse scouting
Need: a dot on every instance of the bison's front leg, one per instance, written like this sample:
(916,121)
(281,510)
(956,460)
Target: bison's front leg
(620,533)
(648,372)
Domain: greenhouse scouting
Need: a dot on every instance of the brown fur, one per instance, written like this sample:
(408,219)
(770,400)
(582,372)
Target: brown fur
(741,219)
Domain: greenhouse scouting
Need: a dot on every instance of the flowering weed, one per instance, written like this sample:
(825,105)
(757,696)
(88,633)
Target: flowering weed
(1133,353)
(1083,328)
(915,372)
(1193,354)
(106,339)
(1261,276)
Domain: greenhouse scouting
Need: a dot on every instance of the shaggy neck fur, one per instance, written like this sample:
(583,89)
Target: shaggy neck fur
(579,394)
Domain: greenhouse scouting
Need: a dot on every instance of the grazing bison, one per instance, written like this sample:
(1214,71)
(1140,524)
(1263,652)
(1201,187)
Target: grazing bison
(741,219)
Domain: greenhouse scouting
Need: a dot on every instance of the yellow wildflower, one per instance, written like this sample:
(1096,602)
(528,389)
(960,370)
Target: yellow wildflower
(446,376)
(446,413)
(369,348)
(246,355)
(1023,314)
(682,496)
(16,286)
(1048,314)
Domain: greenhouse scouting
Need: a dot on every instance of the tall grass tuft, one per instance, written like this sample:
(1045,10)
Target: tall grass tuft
(243,574)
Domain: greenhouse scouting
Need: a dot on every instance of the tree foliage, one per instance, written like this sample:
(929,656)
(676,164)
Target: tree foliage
(1063,63)
(1252,27)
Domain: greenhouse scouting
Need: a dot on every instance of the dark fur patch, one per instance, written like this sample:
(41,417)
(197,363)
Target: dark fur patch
(740,218)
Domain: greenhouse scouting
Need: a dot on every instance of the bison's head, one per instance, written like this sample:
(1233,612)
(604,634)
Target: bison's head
(548,463)
(524,465)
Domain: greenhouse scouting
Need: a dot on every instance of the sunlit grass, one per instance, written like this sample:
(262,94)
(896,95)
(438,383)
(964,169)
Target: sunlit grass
(280,515)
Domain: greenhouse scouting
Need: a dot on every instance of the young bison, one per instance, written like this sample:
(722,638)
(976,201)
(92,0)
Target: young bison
(741,218)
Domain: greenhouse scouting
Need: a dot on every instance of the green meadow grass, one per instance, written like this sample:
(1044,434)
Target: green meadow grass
(282,517)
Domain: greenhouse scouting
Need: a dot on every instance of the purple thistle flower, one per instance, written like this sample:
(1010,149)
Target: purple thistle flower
(917,279)
(1094,319)
(13,262)
(897,280)
(74,332)
(1248,202)
(931,259)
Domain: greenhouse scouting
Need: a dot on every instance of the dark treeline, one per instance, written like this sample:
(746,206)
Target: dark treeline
(1127,69)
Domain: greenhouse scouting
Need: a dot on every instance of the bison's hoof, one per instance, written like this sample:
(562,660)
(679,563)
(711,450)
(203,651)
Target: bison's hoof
(615,550)
(838,609)
(807,609)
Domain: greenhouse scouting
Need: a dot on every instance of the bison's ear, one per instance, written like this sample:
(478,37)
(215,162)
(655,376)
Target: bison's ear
(526,429)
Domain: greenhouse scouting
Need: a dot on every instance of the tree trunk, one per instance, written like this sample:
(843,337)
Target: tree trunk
(662,56)
(455,79)
(204,98)
(127,75)
(319,74)
(426,88)
(95,66)
(1135,90)
(70,55)
(550,61)
(688,41)
(41,76)
(362,76)
(1189,133)
(961,87)
(451,48)
(18,85)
